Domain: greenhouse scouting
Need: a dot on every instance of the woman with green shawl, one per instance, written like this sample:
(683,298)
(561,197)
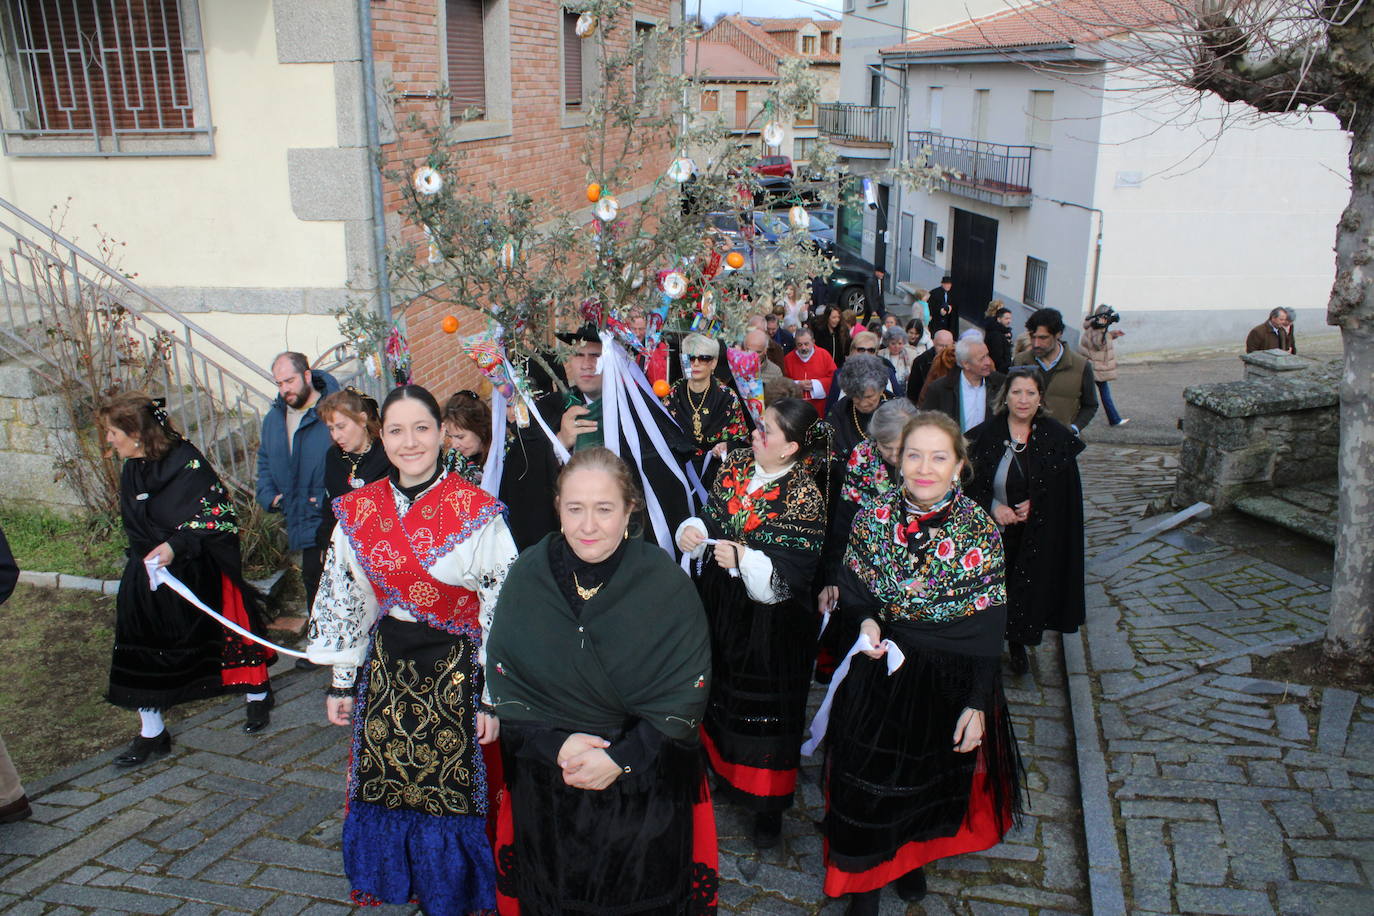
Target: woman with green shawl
(599,667)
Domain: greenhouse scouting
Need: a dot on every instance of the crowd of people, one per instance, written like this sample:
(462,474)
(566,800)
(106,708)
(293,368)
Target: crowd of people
(543,697)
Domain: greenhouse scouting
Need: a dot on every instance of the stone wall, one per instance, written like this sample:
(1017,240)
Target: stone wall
(1278,426)
(34,431)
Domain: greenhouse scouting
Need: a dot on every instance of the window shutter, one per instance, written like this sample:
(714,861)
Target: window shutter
(467,72)
(572,62)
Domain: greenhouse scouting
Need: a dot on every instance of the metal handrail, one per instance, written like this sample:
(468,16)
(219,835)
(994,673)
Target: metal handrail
(46,279)
(996,167)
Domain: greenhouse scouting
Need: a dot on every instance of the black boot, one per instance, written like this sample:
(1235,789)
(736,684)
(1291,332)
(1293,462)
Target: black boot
(259,713)
(139,750)
(911,886)
(865,904)
(767,830)
(1016,653)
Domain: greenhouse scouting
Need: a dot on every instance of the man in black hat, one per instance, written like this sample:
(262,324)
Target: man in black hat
(943,316)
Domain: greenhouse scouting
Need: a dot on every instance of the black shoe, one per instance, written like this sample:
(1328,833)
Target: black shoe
(259,714)
(767,830)
(1020,662)
(138,751)
(15,811)
(911,886)
(865,904)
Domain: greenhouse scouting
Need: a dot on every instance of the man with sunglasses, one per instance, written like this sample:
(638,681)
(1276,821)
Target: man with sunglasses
(865,343)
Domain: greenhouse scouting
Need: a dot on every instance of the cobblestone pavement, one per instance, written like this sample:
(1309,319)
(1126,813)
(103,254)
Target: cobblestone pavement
(1225,794)
(1231,794)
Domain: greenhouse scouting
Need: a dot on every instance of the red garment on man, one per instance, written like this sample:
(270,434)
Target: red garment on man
(820,367)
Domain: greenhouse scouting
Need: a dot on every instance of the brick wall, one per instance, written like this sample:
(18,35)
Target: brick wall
(540,157)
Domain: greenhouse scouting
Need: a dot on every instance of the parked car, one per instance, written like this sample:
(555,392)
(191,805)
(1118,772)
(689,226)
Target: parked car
(849,280)
(773,223)
(778,166)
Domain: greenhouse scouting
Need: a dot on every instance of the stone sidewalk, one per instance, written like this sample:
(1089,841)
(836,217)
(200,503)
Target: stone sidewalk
(1201,789)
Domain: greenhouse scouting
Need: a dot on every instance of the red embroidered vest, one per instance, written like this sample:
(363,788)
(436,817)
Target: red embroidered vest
(396,553)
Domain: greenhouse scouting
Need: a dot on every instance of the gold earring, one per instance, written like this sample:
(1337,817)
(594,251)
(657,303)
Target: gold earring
(626,535)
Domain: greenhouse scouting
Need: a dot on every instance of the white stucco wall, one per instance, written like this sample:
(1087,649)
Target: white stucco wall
(219,221)
(1063,170)
(1223,224)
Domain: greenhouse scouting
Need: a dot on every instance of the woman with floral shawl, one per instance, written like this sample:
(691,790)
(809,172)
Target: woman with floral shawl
(758,547)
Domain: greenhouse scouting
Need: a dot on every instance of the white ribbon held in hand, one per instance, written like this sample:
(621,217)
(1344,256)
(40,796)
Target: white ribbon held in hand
(158,575)
(894,657)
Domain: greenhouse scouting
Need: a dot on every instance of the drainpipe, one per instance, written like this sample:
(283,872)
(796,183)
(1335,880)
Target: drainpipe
(1097,248)
(374,155)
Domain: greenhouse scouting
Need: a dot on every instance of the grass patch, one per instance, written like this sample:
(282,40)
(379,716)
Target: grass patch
(44,541)
(54,669)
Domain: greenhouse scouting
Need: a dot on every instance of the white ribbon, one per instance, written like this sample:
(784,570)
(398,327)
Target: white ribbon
(894,657)
(158,575)
(496,454)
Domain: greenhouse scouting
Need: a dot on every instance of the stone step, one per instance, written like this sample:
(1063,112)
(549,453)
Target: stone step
(1308,519)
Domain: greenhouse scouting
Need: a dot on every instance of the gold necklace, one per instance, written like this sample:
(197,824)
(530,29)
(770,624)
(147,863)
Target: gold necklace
(586,594)
(697,409)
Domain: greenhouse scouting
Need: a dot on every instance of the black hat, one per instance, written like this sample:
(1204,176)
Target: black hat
(946,279)
(585,334)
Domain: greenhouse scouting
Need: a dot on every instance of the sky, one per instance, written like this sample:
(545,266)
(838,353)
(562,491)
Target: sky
(770,8)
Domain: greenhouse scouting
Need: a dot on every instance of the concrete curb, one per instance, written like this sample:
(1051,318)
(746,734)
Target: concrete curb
(111,586)
(1099,823)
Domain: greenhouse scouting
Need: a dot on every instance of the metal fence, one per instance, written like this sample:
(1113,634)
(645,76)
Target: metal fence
(113,77)
(992,172)
(863,123)
(215,395)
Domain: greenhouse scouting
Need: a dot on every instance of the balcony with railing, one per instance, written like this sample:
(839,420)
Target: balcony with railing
(991,172)
(857,126)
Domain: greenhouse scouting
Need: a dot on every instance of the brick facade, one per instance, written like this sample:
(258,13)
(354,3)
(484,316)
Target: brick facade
(540,156)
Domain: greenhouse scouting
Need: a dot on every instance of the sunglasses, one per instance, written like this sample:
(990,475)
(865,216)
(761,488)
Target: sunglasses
(865,349)
(698,358)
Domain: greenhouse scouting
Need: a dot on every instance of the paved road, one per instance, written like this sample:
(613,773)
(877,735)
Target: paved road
(1185,784)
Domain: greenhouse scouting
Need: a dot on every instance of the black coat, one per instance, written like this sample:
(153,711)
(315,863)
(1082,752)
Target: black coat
(920,368)
(945,394)
(943,315)
(999,343)
(1044,553)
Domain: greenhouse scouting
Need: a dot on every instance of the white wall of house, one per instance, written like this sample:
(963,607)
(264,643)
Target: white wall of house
(275,222)
(1062,169)
(1209,229)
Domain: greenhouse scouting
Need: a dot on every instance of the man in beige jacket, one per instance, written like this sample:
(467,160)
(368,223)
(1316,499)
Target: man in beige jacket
(1098,344)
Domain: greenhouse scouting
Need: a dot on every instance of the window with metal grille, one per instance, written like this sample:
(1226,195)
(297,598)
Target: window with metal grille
(467,58)
(648,58)
(108,76)
(710,100)
(802,148)
(1036,274)
(572,62)
(928,240)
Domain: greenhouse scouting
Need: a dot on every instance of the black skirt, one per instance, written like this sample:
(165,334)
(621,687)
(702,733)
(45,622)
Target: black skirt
(892,775)
(629,848)
(761,663)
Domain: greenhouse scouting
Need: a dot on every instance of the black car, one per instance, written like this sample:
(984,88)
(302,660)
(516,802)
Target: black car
(850,279)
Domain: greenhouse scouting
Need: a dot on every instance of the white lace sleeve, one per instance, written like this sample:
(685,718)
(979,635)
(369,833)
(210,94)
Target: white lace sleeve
(344,611)
(757,570)
(480,563)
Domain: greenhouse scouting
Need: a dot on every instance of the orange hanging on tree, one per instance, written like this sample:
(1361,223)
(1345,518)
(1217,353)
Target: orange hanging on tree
(449,324)
(593,192)
(661,388)
(735,260)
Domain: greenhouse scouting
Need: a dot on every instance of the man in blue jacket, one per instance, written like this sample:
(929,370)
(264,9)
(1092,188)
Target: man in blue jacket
(291,460)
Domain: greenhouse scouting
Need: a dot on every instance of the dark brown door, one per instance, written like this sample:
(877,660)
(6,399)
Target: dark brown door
(973,263)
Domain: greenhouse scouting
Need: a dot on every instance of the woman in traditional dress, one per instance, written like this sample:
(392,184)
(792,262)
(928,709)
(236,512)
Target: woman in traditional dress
(863,380)
(467,427)
(1026,477)
(921,761)
(177,514)
(599,666)
(759,543)
(706,408)
(402,614)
